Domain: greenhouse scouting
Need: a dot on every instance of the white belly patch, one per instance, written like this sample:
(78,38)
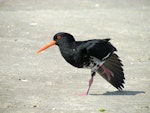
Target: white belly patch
(95,63)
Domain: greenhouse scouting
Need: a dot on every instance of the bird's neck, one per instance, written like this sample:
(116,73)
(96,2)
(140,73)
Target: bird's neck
(67,45)
(66,48)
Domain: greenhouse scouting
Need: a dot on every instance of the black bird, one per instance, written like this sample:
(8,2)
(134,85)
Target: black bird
(97,54)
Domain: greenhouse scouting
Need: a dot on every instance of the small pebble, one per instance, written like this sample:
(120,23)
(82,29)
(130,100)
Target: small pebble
(53,108)
(33,24)
(23,80)
(35,106)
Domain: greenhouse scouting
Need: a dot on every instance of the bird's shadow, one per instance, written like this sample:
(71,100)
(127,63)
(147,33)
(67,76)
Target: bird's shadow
(121,93)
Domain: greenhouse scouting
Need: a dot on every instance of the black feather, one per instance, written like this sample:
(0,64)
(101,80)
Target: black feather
(114,64)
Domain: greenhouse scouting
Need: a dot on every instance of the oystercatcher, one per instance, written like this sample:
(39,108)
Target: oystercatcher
(97,54)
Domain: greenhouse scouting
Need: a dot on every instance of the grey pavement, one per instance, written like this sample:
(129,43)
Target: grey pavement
(45,83)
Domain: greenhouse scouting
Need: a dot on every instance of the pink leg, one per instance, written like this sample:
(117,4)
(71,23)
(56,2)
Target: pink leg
(90,83)
(108,72)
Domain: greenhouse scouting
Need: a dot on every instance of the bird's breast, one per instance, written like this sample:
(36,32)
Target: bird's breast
(77,59)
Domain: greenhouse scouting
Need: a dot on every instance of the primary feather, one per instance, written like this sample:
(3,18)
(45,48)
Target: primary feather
(114,64)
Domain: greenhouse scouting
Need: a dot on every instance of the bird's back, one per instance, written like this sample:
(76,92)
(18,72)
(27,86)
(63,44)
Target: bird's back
(98,48)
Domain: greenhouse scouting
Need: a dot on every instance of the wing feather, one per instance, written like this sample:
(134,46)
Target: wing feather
(114,64)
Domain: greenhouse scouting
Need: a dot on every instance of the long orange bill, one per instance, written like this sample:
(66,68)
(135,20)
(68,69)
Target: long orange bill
(46,46)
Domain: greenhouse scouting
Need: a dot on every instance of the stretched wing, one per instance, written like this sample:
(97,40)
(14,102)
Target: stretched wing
(114,64)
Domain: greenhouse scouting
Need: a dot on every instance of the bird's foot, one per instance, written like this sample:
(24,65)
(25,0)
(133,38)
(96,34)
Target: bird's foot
(83,94)
(108,72)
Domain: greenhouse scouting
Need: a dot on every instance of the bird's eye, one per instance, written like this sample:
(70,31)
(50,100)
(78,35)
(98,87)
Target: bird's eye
(58,37)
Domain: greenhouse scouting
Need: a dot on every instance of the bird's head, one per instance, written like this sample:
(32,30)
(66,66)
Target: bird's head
(60,38)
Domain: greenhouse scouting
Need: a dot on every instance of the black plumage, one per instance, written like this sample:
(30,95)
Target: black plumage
(97,54)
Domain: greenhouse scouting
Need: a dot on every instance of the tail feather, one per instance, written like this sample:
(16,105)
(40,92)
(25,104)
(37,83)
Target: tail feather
(114,64)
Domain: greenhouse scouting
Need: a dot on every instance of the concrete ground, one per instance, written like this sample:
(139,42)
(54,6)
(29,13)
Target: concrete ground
(45,83)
